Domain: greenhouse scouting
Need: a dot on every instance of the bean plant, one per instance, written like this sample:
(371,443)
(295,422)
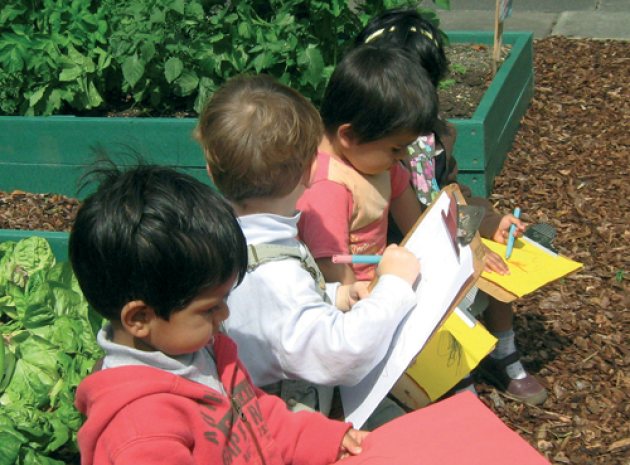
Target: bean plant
(161,57)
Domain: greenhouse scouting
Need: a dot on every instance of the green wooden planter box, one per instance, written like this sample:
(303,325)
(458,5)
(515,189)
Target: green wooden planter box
(49,154)
(484,140)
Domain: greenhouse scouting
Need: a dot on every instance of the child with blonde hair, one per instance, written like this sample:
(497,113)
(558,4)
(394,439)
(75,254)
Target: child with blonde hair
(260,139)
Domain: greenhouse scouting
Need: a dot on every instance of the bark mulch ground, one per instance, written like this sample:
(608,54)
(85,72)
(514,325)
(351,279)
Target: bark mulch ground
(569,166)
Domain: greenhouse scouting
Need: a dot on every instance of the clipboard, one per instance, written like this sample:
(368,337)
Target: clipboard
(495,290)
(532,266)
(414,392)
(446,277)
(476,247)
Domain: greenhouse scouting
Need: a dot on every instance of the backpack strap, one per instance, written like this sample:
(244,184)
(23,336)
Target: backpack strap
(298,394)
(262,253)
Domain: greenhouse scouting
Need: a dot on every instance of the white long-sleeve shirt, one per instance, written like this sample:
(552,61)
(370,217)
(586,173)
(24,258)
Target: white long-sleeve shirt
(285,330)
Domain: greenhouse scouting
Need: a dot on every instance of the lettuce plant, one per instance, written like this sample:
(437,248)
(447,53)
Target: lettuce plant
(47,345)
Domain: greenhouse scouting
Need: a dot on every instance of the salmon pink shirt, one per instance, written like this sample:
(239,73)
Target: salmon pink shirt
(346,212)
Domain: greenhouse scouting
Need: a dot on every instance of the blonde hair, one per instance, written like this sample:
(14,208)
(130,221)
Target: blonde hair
(259,137)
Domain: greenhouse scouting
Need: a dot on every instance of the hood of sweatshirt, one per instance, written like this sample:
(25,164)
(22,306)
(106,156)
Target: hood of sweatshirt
(103,394)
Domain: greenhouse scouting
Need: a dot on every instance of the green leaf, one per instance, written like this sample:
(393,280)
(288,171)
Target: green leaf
(7,15)
(10,440)
(178,5)
(33,378)
(314,62)
(147,51)
(195,10)
(93,96)
(263,61)
(33,254)
(133,69)
(70,74)
(157,16)
(32,457)
(54,102)
(186,84)
(13,62)
(173,69)
(206,89)
(37,96)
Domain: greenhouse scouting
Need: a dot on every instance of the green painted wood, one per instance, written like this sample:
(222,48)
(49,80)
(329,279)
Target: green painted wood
(61,179)
(49,154)
(477,182)
(481,182)
(68,140)
(482,137)
(58,240)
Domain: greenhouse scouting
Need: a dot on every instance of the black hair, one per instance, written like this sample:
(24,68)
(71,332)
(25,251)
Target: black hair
(408,29)
(379,91)
(154,234)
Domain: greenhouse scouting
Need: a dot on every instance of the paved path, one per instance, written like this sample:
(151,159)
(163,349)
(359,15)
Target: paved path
(597,19)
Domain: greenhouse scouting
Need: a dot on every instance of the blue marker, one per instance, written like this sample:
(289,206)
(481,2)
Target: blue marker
(367,259)
(511,238)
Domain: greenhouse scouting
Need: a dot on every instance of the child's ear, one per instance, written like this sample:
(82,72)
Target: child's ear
(346,136)
(136,317)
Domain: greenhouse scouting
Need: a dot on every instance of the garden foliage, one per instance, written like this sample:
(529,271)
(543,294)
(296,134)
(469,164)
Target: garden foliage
(47,345)
(165,56)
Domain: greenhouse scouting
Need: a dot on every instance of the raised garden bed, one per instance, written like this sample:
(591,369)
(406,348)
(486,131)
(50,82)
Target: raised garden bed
(49,154)
(484,140)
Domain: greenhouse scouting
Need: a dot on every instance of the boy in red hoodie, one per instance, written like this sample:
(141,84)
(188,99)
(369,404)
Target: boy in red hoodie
(156,253)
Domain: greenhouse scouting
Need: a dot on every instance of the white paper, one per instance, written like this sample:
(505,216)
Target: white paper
(443,275)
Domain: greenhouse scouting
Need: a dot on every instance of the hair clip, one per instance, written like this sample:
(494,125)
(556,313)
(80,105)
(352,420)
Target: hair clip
(378,33)
(374,35)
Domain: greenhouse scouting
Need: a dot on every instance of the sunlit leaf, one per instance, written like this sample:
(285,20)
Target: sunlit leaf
(133,69)
(173,69)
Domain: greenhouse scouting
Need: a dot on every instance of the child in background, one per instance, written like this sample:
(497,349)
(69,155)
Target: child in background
(157,253)
(433,167)
(260,139)
(377,102)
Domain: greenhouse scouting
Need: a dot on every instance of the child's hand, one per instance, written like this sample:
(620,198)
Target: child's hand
(502,232)
(351,444)
(359,290)
(400,262)
(350,294)
(494,262)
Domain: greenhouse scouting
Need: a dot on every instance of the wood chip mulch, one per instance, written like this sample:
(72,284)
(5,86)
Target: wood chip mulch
(569,166)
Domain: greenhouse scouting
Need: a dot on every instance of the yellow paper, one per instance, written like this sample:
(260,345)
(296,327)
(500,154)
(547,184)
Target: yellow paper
(531,267)
(453,351)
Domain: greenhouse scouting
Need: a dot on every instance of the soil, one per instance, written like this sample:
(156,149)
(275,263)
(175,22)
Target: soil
(470,74)
(569,166)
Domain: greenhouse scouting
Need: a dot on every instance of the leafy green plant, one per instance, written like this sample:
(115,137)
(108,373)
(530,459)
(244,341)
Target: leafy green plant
(52,54)
(173,53)
(47,345)
(165,56)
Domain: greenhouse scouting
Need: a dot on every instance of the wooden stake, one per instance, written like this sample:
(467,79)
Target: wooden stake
(498,38)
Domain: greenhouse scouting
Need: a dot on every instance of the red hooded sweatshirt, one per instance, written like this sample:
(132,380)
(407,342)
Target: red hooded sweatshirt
(142,415)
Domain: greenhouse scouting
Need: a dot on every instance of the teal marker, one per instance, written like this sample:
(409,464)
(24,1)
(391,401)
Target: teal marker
(365,259)
(511,237)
